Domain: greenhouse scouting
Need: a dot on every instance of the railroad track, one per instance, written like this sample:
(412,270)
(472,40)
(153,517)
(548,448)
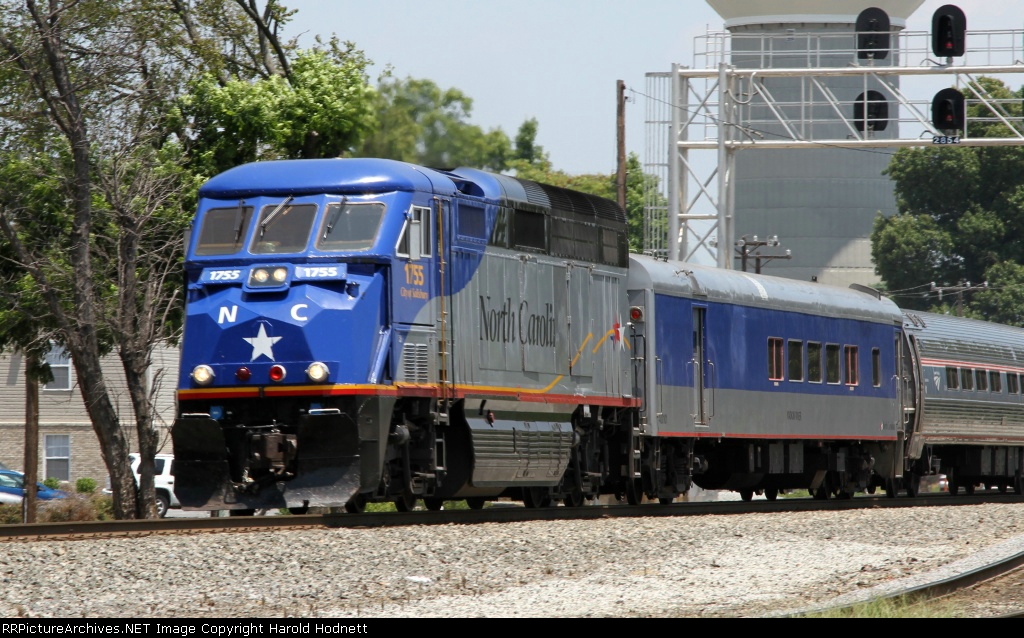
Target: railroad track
(500,512)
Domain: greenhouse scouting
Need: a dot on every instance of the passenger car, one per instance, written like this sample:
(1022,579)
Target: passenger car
(12,489)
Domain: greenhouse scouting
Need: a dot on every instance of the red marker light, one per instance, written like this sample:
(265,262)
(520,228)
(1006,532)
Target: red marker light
(636,313)
(243,374)
(277,373)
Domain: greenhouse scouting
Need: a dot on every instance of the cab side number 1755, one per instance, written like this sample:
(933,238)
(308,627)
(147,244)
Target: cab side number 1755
(414,275)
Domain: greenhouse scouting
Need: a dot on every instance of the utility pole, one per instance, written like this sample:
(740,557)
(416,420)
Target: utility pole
(620,178)
(748,247)
(960,289)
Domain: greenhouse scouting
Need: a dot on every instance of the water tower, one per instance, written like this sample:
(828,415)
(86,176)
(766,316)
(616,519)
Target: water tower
(820,202)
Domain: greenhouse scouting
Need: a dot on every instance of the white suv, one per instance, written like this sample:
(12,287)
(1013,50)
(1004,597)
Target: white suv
(163,480)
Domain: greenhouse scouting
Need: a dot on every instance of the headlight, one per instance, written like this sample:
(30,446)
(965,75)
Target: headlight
(260,275)
(280,274)
(202,375)
(317,372)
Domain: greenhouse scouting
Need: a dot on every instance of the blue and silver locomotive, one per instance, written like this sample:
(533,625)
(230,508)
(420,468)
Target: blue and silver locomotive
(366,330)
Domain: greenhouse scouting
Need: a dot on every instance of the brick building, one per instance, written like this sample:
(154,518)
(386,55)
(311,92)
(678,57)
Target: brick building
(68,446)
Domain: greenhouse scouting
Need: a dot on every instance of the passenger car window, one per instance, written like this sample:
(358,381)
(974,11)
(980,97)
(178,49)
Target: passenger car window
(952,378)
(774,359)
(832,363)
(813,362)
(966,378)
(796,360)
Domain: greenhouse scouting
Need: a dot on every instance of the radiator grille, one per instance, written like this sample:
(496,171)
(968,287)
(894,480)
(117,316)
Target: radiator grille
(416,362)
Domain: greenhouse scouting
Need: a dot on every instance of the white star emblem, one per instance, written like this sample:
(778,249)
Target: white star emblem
(262,344)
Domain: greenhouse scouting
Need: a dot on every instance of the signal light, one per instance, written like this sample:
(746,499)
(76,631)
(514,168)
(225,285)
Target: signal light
(277,373)
(636,314)
(949,31)
(871,112)
(872,28)
(948,110)
(243,374)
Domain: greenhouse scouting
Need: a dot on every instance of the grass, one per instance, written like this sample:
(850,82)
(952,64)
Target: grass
(901,607)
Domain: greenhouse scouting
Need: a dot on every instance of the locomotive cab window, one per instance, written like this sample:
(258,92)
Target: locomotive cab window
(283,228)
(813,362)
(796,360)
(876,367)
(832,363)
(223,230)
(416,233)
(995,383)
(981,377)
(966,378)
(852,366)
(774,359)
(952,378)
(350,227)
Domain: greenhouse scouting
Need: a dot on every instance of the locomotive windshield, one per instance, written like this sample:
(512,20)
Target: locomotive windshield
(223,230)
(283,228)
(350,227)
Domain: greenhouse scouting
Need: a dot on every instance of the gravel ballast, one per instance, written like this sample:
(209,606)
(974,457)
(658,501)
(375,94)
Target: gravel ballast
(717,565)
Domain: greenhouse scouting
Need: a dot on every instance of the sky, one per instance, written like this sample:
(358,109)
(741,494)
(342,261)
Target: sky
(554,60)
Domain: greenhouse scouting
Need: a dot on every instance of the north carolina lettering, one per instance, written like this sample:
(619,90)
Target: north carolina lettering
(500,324)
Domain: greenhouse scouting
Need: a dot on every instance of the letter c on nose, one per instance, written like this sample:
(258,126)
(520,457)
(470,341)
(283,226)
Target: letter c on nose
(295,312)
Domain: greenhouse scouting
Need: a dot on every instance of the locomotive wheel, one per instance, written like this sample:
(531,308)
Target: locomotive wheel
(476,502)
(406,502)
(535,497)
(574,498)
(952,486)
(771,493)
(1018,484)
(822,493)
(890,488)
(969,489)
(433,504)
(633,493)
(747,495)
(356,505)
(666,500)
(298,511)
(912,483)
(241,512)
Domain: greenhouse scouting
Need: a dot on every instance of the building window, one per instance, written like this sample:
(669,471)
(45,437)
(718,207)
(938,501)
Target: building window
(796,360)
(832,363)
(58,456)
(774,359)
(60,366)
(813,362)
(852,364)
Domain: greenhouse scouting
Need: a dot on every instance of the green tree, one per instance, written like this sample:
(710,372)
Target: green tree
(960,212)
(419,122)
(323,108)
(85,93)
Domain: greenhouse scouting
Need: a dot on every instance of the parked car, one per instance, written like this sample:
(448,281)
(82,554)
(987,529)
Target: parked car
(12,489)
(163,481)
